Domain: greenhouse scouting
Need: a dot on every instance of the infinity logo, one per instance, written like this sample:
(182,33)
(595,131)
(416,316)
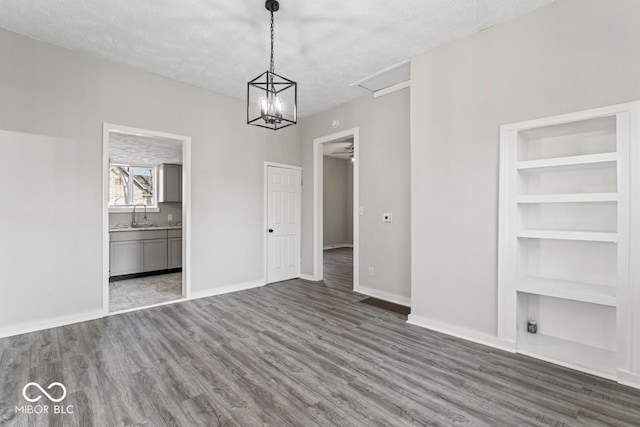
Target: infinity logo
(51,398)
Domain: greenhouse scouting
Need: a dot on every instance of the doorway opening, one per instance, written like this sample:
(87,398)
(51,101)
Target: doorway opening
(336,155)
(337,212)
(146,185)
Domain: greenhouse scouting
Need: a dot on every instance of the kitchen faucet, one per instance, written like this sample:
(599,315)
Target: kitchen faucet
(133,215)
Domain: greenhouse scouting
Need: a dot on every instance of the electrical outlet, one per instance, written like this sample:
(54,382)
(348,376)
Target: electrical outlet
(387,217)
(169,217)
(371,272)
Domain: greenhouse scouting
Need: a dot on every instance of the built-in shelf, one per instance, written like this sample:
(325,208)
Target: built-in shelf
(564,225)
(574,355)
(569,198)
(576,291)
(567,161)
(588,236)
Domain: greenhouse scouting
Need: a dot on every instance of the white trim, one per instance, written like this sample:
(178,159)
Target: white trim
(628,378)
(463,333)
(383,295)
(186,205)
(186,218)
(571,117)
(39,325)
(308,277)
(317,202)
(227,289)
(381,72)
(392,89)
(338,246)
(265,256)
(129,310)
(282,165)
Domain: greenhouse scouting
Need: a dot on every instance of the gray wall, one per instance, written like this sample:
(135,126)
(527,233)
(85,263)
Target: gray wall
(568,56)
(384,187)
(175,209)
(337,202)
(51,91)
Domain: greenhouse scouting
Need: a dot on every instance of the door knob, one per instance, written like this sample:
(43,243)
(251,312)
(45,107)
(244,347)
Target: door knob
(271,230)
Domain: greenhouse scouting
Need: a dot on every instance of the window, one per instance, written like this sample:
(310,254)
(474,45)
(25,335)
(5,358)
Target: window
(131,185)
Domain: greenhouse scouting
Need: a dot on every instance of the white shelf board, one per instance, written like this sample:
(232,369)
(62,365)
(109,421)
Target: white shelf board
(589,236)
(568,198)
(574,355)
(575,291)
(568,161)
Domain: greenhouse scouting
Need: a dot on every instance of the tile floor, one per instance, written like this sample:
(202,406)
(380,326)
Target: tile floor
(144,291)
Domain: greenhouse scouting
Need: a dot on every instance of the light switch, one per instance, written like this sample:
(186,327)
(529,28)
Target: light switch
(169,217)
(361,210)
(387,217)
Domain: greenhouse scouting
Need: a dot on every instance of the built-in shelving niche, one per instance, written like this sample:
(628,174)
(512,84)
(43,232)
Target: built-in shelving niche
(564,238)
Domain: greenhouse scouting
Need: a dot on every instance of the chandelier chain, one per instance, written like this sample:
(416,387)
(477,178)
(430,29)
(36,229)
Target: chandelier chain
(272,67)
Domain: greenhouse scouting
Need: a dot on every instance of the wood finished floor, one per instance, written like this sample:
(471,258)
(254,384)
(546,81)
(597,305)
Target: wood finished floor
(293,353)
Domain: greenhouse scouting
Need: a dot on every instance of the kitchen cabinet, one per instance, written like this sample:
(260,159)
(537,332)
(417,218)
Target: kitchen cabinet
(125,258)
(170,183)
(174,246)
(154,255)
(133,252)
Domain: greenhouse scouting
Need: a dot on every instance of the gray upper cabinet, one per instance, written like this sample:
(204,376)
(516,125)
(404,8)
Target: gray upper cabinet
(170,183)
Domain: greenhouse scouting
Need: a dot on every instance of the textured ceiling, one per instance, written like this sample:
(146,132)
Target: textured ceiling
(143,150)
(220,45)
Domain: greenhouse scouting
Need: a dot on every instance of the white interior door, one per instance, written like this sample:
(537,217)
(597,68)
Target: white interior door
(283,223)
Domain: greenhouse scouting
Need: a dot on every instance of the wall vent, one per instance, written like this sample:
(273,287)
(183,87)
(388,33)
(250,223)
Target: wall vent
(388,80)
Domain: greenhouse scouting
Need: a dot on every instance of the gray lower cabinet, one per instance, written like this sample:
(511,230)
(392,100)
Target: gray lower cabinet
(134,252)
(154,255)
(125,258)
(175,252)
(174,244)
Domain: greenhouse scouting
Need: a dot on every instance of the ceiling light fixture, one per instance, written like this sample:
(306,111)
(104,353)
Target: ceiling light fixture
(272,99)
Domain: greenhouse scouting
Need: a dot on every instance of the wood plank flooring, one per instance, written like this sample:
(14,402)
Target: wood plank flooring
(293,353)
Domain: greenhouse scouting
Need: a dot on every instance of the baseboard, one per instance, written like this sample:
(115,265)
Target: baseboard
(465,334)
(386,296)
(227,289)
(39,325)
(145,274)
(308,277)
(340,245)
(628,378)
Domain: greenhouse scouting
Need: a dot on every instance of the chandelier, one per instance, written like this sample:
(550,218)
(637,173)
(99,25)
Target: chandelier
(272,99)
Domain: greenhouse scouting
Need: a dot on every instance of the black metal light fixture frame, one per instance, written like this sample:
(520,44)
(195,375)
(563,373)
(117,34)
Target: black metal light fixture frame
(268,88)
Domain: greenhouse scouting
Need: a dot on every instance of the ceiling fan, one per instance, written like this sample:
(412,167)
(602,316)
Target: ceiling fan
(344,150)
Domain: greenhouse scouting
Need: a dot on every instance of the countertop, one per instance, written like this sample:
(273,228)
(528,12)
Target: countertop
(145,227)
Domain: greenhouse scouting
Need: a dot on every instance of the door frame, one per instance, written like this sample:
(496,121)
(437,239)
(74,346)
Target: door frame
(186,210)
(265,249)
(318,229)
